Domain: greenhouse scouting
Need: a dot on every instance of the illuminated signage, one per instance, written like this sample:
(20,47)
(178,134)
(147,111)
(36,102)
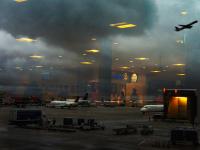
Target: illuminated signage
(125,76)
(134,78)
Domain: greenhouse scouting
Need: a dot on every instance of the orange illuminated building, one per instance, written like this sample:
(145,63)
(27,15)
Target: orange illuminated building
(180,104)
(178,107)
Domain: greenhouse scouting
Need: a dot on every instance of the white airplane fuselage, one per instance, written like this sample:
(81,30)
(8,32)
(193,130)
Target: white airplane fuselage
(152,108)
(59,104)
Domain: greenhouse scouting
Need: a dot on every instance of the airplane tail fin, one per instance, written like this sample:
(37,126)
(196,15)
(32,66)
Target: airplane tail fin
(77,99)
(177,29)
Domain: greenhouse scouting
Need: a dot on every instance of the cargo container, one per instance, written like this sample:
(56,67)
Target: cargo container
(25,116)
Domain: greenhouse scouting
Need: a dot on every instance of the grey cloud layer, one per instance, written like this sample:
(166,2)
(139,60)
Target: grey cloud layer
(72,22)
(15,54)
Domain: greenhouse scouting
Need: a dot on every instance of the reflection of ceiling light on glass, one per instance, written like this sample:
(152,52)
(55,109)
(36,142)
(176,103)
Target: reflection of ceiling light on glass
(126,26)
(18,68)
(20,1)
(144,67)
(184,13)
(117,24)
(141,58)
(36,56)
(155,71)
(116,59)
(180,41)
(124,67)
(181,74)
(84,54)
(131,61)
(86,63)
(178,64)
(115,43)
(92,51)
(60,56)
(93,39)
(38,66)
(123,25)
(24,39)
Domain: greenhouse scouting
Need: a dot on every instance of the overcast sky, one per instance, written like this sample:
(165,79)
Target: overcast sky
(63,30)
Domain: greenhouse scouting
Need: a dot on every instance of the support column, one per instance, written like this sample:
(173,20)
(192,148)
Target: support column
(105,72)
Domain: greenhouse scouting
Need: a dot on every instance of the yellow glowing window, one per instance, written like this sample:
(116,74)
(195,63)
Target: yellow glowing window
(178,107)
(182,100)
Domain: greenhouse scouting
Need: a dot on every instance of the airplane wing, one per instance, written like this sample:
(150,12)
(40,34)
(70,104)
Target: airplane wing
(182,25)
(188,24)
(192,23)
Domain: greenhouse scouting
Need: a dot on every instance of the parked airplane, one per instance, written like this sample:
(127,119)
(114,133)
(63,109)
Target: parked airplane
(62,104)
(187,26)
(152,108)
(69,103)
(83,102)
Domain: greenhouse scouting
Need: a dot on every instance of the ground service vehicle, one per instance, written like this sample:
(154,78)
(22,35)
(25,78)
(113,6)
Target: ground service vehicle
(25,116)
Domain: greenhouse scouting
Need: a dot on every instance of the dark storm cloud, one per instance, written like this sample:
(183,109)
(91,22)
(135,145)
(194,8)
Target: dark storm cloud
(70,23)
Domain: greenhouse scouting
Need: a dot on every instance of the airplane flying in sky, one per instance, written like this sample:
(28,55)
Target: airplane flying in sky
(187,26)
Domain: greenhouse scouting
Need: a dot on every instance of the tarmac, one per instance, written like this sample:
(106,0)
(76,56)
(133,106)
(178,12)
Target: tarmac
(14,138)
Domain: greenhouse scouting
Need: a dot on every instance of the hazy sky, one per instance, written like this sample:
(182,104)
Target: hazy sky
(64,29)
